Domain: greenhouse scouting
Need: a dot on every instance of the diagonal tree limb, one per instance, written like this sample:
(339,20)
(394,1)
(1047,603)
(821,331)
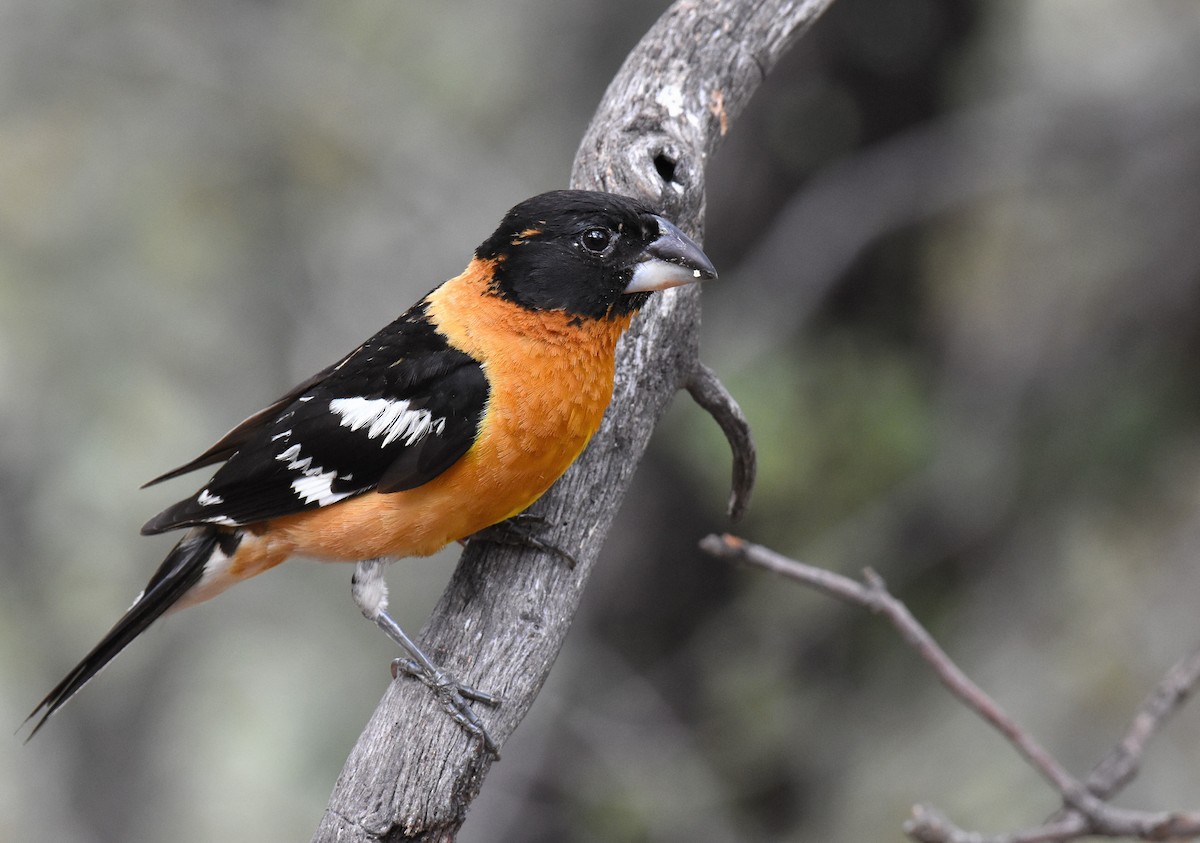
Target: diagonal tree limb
(504,615)
(1086,812)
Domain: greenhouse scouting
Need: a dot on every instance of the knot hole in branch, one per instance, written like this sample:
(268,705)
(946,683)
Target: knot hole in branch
(664,164)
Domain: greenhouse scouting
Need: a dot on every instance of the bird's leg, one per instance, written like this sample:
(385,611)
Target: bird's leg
(370,594)
(521,531)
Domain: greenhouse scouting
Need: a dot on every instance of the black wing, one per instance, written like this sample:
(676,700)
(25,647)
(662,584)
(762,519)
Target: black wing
(393,414)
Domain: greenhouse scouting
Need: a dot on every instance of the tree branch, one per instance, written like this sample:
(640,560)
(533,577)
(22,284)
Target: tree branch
(708,391)
(502,620)
(1119,767)
(1086,812)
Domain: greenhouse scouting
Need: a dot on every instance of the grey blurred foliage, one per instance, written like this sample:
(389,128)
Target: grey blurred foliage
(959,303)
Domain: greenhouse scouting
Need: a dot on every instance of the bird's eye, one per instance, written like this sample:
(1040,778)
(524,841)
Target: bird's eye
(596,240)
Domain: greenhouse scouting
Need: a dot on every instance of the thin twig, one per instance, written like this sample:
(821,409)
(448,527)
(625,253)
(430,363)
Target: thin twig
(875,597)
(707,390)
(1086,812)
(929,825)
(1119,767)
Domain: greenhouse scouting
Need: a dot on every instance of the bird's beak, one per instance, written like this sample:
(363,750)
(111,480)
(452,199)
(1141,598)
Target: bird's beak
(671,260)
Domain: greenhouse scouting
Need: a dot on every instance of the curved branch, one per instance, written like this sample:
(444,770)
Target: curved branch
(502,620)
(707,391)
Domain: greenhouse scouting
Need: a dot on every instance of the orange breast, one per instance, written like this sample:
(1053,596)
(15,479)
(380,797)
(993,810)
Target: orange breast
(550,379)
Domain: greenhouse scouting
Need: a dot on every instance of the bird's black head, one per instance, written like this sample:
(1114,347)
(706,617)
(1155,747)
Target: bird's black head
(589,254)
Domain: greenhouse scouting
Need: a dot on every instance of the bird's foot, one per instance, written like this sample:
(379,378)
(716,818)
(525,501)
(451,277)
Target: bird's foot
(412,668)
(453,696)
(521,531)
(370,593)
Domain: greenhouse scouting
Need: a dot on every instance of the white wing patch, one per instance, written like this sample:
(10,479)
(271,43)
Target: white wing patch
(315,484)
(390,419)
(207,498)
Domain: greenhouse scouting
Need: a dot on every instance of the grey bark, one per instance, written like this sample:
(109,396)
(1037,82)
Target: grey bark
(502,620)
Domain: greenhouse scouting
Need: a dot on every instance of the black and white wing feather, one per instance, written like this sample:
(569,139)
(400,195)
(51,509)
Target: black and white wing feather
(392,415)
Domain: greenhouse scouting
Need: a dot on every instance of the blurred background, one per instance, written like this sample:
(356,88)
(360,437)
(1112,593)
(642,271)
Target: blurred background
(960,303)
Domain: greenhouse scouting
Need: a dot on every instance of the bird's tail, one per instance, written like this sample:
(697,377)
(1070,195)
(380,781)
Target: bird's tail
(180,572)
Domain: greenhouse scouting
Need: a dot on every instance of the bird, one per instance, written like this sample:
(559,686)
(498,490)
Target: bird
(445,425)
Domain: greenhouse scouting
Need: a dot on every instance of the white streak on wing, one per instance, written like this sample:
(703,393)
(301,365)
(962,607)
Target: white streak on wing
(316,484)
(390,414)
(290,454)
(207,498)
(359,412)
(278,436)
(223,520)
(390,419)
(318,487)
(412,426)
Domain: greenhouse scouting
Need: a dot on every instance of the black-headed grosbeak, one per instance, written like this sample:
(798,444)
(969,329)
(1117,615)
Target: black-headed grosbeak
(453,418)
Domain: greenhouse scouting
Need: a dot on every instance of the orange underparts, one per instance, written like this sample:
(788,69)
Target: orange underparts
(550,376)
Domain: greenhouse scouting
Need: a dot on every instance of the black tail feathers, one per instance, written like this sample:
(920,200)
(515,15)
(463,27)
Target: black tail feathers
(182,569)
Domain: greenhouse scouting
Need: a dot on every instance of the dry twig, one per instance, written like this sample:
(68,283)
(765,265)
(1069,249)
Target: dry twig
(1086,812)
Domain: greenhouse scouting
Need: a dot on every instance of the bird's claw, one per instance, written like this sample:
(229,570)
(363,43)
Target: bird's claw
(519,531)
(413,669)
(454,697)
